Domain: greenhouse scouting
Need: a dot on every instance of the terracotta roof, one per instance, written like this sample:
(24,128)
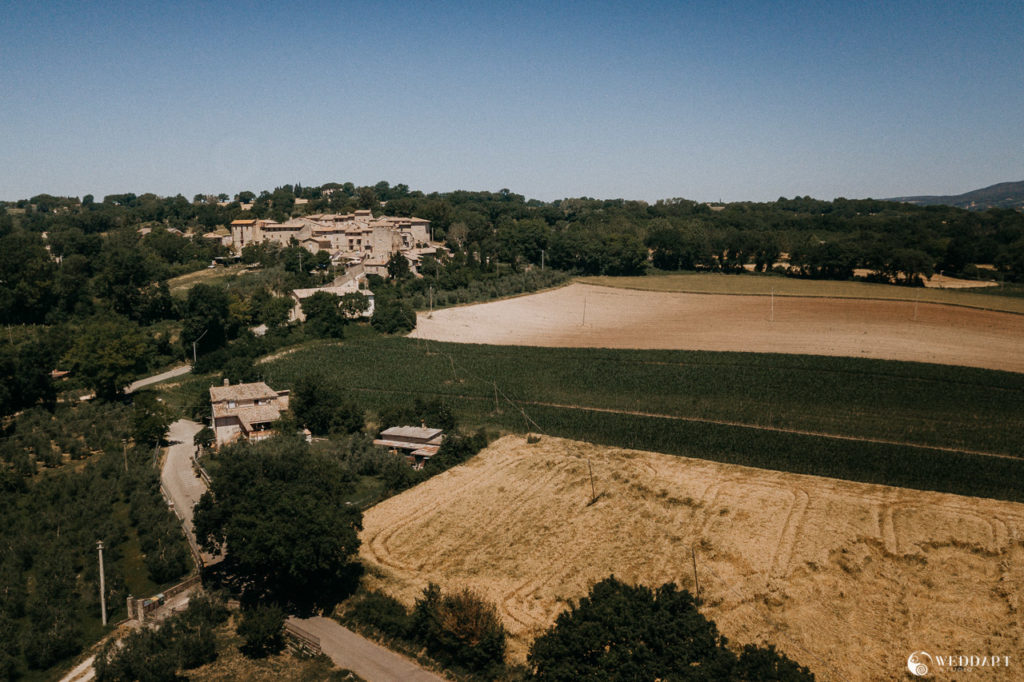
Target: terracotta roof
(259,414)
(243,222)
(253,391)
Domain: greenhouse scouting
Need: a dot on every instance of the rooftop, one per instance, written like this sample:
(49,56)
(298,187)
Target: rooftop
(410,433)
(253,391)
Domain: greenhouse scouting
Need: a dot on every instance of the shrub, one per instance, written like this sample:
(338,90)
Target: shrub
(262,627)
(460,629)
(383,612)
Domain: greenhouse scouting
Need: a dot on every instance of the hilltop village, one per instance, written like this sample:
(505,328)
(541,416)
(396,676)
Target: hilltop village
(356,238)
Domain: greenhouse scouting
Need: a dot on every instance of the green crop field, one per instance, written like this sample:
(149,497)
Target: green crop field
(1004,299)
(731,407)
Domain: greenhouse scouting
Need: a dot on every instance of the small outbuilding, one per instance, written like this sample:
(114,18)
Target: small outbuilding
(419,443)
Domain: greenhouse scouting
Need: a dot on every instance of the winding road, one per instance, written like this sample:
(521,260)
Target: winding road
(347,649)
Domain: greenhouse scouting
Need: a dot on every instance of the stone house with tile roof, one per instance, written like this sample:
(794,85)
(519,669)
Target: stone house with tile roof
(245,411)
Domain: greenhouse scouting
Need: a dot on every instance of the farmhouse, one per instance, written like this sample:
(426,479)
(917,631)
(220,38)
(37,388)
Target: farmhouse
(245,411)
(420,443)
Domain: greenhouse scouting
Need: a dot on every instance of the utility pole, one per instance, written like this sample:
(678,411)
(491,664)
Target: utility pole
(124,442)
(431,314)
(542,252)
(194,345)
(103,588)
(584,322)
(916,297)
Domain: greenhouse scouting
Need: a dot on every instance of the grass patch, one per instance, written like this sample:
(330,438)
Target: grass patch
(763,285)
(180,285)
(135,574)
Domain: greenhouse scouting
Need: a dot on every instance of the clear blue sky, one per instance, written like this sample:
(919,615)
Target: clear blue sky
(703,100)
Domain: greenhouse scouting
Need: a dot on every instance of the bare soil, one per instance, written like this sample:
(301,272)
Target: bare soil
(846,578)
(581,315)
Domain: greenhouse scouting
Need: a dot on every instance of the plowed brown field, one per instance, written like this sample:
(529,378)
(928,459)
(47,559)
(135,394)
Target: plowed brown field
(846,578)
(581,315)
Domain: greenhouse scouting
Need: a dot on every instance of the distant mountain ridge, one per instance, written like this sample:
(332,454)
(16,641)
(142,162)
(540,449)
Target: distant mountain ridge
(1001,195)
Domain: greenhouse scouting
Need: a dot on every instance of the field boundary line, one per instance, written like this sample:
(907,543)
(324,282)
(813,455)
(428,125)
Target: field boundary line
(776,429)
(787,295)
(697,420)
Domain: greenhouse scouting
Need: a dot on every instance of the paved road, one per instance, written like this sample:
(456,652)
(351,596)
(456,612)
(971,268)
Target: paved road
(146,381)
(367,659)
(180,480)
(157,378)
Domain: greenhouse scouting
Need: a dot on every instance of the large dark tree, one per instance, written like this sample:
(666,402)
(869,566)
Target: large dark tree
(278,509)
(205,319)
(107,354)
(324,317)
(626,632)
(320,406)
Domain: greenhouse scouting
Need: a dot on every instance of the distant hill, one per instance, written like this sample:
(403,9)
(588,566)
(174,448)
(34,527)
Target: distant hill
(1003,195)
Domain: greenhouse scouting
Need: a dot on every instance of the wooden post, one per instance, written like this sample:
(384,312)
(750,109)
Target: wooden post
(696,583)
(593,490)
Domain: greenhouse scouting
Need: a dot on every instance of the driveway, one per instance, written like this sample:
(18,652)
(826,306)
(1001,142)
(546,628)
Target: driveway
(367,659)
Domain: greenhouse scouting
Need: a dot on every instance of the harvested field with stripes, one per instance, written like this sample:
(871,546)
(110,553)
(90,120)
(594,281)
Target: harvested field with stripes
(847,578)
(587,316)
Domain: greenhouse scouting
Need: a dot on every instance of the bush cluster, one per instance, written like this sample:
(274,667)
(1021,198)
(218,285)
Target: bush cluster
(182,642)
(461,630)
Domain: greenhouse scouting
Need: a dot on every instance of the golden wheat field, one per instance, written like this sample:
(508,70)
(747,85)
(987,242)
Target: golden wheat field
(846,578)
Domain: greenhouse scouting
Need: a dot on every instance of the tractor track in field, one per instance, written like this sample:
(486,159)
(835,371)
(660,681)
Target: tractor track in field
(705,420)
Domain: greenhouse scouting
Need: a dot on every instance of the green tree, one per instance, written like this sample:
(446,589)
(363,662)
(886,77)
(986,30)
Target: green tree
(262,628)
(206,316)
(354,304)
(275,311)
(626,632)
(459,629)
(319,405)
(277,507)
(398,266)
(324,318)
(107,353)
(393,316)
(150,419)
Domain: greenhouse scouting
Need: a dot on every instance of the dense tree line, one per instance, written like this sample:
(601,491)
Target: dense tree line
(95,274)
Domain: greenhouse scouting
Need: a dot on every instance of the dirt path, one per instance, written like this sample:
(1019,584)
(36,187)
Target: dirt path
(582,315)
(369,660)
